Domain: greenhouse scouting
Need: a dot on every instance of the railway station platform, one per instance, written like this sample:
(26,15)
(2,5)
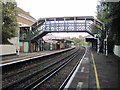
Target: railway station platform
(96,71)
(107,71)
(6,60)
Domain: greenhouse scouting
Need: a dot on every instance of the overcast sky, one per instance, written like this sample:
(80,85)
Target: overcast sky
(59,8)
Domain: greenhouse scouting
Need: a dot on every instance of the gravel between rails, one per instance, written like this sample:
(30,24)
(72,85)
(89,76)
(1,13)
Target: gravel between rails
(46,62)
(56,80)
(33,78)
(24,65)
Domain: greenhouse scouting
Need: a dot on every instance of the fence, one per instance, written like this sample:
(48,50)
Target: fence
(7,49)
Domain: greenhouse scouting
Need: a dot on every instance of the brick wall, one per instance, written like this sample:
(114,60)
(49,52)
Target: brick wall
(24,21)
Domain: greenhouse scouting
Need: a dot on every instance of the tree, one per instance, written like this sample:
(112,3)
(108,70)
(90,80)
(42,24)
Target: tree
(9,21)
(109,14)
(78,40)
(96,29)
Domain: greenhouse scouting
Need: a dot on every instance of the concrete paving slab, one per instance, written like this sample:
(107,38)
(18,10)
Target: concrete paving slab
(26,56)
(80,80)
(107,69)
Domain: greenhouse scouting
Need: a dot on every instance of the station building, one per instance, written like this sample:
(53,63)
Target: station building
(25,20)
(48,42)
(92,40)
(52,42)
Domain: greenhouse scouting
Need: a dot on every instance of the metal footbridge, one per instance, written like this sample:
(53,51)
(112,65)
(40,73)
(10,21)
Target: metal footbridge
(62,24)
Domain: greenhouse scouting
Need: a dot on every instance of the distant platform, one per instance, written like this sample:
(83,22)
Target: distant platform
(7,60)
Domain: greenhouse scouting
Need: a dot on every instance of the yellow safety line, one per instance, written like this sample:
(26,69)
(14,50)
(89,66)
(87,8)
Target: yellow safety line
(96,74)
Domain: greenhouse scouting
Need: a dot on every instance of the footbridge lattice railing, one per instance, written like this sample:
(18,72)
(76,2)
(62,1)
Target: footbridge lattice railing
(62,24)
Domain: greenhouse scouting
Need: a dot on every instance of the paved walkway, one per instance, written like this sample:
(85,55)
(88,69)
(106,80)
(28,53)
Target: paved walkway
(107,70)
(97,72)
(26,55)
(15,58)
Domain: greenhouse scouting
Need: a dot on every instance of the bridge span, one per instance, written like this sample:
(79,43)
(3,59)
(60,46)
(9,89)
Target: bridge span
(60,24)
(63,24)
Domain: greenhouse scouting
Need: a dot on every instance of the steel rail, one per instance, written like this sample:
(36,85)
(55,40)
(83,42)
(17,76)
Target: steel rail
(73,71)
(41,80)
(30,58)
(24,70)
(34,73)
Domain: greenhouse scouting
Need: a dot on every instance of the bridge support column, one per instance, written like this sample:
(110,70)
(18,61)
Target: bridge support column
(106,49)
(50,46)
(98,45)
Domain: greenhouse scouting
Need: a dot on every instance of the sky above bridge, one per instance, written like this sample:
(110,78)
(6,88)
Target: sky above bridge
(59,8)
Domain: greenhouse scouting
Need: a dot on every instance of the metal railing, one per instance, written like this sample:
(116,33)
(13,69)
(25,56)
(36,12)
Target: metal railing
(61,24)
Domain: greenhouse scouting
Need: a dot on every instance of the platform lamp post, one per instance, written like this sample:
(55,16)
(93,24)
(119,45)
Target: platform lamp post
(105,41)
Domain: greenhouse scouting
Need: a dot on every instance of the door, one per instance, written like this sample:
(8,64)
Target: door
(21,47)
(26,46)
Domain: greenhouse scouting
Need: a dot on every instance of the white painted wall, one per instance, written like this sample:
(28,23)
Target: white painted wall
(7,49)
(117,50)
(15,42)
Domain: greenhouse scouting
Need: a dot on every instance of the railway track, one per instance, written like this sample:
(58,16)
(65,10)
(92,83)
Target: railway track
(60,78)
(41,80)
(28,68)
(17,84)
